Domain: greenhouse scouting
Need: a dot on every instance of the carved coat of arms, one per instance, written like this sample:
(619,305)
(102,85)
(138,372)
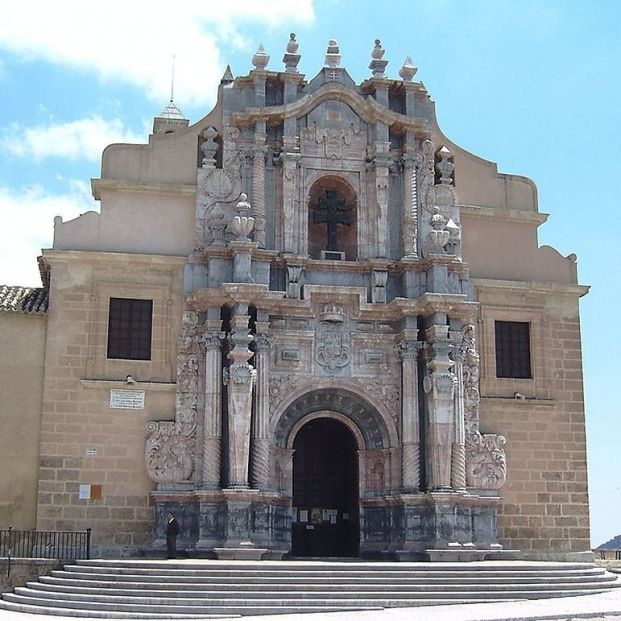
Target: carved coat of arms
(332,350)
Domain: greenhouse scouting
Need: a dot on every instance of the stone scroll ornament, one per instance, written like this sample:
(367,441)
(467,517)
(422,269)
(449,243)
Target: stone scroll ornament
(170,448)
(486,462)
(169,451)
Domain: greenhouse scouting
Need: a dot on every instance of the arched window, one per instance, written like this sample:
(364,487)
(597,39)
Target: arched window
(332,220)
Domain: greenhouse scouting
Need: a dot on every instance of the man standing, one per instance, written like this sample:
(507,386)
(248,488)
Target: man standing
(172,530)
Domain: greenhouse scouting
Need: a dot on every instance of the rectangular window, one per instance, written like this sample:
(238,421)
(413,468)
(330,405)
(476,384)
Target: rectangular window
(129,329)
(513,349)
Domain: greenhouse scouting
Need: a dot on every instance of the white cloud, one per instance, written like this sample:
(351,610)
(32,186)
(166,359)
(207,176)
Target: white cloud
(81,139)
(135,41)
(28,223)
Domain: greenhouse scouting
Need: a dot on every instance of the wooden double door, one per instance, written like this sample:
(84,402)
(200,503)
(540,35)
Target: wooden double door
(325,491)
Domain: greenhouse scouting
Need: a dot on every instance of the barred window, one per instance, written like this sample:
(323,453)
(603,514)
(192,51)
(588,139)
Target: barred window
(513,349)
(129,329)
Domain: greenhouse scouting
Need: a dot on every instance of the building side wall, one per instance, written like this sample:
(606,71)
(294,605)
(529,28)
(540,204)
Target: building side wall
(83,440)
(544,507)
(21,386)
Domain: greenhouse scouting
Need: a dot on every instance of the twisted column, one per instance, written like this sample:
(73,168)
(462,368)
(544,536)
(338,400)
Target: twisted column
(258,185)
(458,457)
(409,227)
(212,435)
(259,450)
(410,428)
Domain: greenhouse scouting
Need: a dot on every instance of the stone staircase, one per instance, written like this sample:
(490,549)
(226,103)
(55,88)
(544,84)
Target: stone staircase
(217,589)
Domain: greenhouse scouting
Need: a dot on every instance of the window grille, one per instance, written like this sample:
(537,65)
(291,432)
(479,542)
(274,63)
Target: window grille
(129,329)
(513,349)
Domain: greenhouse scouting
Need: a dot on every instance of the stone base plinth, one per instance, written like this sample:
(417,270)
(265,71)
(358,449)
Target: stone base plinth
(240,554)
(227,523)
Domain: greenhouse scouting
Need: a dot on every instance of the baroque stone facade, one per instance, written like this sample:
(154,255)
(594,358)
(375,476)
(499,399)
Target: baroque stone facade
(321,261)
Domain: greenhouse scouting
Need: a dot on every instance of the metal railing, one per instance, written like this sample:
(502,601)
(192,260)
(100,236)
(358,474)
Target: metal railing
(61,545)
(608,554)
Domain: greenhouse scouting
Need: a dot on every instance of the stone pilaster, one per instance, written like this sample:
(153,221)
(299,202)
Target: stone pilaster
(240,381)
(382,175)
(410,428)
(212,425)
(259,450)
(439,387)
(294,223)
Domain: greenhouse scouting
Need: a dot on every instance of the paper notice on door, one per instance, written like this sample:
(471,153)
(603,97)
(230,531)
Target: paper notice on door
(303,516)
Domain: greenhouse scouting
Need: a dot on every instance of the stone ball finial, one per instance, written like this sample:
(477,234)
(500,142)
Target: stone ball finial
(293,45)
(378,51)
(408,71)
(261,58)
(333,54)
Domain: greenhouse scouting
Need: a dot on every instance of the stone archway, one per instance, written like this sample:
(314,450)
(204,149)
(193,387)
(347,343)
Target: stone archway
(366,441)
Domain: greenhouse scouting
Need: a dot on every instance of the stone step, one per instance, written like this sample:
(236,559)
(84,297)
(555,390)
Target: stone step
(236,607)
(325,576)
(377,567)
(126,588)
(353,590)
(99,614)
(318,573)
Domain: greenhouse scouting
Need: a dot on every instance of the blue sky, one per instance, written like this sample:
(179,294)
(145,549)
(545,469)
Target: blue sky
(533,86)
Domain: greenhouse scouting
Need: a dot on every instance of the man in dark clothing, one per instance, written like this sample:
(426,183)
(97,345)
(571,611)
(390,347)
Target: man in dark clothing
(172,530)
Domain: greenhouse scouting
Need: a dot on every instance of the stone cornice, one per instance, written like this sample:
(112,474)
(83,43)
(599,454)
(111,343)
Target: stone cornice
(367,108)
(500,213)
(531,286)
(115,185)
(125,258)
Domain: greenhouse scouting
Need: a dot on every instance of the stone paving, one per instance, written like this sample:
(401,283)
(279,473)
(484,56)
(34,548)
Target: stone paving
(602,607)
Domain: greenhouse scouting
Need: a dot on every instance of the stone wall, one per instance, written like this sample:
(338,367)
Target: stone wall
(23,570)
(83,440)
(545,510)
(21,381)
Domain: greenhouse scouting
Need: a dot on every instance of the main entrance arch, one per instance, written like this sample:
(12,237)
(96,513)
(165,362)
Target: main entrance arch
(325,490)
(333,454)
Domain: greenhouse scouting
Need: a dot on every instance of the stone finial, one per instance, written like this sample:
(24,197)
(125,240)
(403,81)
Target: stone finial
(377,65)
(291,57)
(243,223)
(408,70)
(261,58)
(209,147)
(438,236)
(378,51)
(333,54)
(445,167)
(293,45)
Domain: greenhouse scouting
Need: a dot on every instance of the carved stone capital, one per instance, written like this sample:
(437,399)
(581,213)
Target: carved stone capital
(408,349)
(262,341)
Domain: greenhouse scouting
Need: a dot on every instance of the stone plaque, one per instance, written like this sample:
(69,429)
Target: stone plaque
(127,399)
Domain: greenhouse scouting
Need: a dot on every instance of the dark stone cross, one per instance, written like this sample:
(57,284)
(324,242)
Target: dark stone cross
(332,213)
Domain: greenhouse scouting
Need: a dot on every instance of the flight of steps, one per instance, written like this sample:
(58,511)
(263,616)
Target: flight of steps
(217,589)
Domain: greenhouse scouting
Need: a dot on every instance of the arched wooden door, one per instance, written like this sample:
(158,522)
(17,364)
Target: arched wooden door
(325,491)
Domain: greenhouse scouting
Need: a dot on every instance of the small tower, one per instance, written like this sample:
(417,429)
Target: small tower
(170,118)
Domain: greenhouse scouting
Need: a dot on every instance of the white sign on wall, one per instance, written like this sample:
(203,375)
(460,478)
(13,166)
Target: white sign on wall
(127,399)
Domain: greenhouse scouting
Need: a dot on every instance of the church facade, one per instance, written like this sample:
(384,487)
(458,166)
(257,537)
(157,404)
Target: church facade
(311,325)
